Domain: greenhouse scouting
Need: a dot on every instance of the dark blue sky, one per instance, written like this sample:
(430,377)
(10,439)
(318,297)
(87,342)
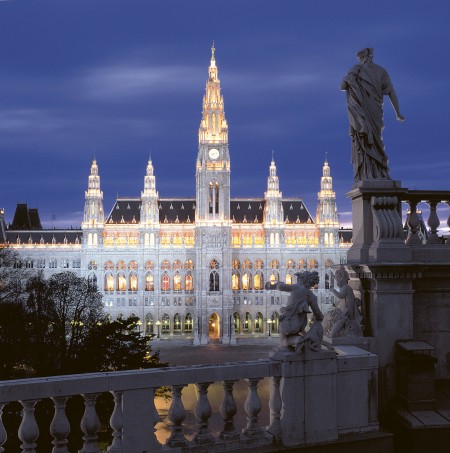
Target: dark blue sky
(124,77)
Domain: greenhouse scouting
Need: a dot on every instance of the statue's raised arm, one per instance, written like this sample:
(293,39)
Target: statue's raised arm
(366,84)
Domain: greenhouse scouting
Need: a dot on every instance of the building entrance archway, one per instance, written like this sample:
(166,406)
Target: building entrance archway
(214,326)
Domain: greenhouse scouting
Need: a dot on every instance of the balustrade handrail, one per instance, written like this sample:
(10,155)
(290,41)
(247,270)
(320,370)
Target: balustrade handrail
(75,384)
(424,195)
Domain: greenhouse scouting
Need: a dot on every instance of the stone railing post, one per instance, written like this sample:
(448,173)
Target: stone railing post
(90,424)
(433,222)
(252,408)
(228,410)
(60,426)
(116,423)
(28,429)
(139,419)
(275,406)
(203,412)
(3,435)
(177,414)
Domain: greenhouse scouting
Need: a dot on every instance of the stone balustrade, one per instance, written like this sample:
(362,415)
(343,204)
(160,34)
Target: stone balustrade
(432,198)
(295,398)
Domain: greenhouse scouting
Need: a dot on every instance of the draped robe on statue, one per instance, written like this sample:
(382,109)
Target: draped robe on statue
(367,83)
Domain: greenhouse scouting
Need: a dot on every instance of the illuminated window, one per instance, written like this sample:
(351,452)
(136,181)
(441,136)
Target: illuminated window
(274,264)
(177,324)
(188,283)
(313,264)
(121,282)
(177,282)
(247,264)
(149,265)
(109,266)
(149,324)
(133,282)
(258,281)
(133,265)
(149,282)
(274,277)
(188,264)
(246,281)
(235,282)
(165,283)
(290,264)
(165,325)
(259,323)
(247,323)
(109,282)
(237,322)
(165,265)
(259,264)
(289,279)
(236,264)
(176,264)
(188,323)
(121,265)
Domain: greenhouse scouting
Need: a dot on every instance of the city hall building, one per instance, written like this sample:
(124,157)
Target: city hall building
(192,267)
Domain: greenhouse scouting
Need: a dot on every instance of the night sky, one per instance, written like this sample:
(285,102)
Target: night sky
(119,79)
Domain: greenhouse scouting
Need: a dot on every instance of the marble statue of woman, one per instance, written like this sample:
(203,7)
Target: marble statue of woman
(366,84)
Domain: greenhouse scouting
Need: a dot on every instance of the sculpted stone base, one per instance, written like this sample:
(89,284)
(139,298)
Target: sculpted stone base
(377,225)
(366,343)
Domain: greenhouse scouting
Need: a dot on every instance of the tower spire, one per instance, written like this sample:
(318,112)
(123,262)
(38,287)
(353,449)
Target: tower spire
(213,125)
(149,197)
(93,206)
(273,196)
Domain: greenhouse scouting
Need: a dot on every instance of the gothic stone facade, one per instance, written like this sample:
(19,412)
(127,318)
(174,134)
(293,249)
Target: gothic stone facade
(192,267)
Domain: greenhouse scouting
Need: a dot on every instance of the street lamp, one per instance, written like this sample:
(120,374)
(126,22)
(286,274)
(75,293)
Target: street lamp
(269,322)
(139,323)
(158,323)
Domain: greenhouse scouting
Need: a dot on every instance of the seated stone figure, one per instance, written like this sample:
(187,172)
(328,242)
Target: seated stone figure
(294,317)
(344,320)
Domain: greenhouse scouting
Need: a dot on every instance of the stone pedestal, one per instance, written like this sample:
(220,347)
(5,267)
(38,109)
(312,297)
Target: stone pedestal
(377,224)
(308,392)
(366,343)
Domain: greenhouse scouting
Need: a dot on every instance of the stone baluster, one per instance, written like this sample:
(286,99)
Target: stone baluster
(90,424)
(3,435)
(252,408)
(228,410)
(275,406)
(28,429)
(60,426)
(202,413)
(177,414)
(433,223)
(448,223)
(116,423)
(413,224)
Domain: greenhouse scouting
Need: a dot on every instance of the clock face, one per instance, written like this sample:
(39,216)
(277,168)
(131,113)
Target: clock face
(213,153)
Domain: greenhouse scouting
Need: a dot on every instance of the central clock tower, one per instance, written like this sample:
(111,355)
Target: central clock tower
(212,219)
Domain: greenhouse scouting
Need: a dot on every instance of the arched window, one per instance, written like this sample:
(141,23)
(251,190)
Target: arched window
(188,264)
(188,323)
(313,264)
(177,282)
(149,265)
(177,324)
(327,280)
(301,264)
(121,282)
(236,264)
(247,281)
(247,264)
(149,324)
(214,276)
(133,265)
(133,279)
(165,265)
(275,321)
(274,277)
(121,265)
(188,282)
(92,265)
(165,324)
(235,281)
(258,281)
(290,264)
(213,198)
(165,282)
(259,264)
(259,323)
(176,265)
(109,266)
(237,323)
(328,263)
(247,328)
(289,279)
(149,282)
(109,282)
(274,264)
(92,281)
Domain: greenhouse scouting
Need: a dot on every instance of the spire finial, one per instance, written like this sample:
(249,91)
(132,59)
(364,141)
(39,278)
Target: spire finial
(213,50)
(150,155)
(326,157)
(273,155)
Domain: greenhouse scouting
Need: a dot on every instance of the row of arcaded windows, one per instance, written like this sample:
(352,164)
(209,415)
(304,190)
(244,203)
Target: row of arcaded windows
(149,265)
(120,282)
(275,264)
